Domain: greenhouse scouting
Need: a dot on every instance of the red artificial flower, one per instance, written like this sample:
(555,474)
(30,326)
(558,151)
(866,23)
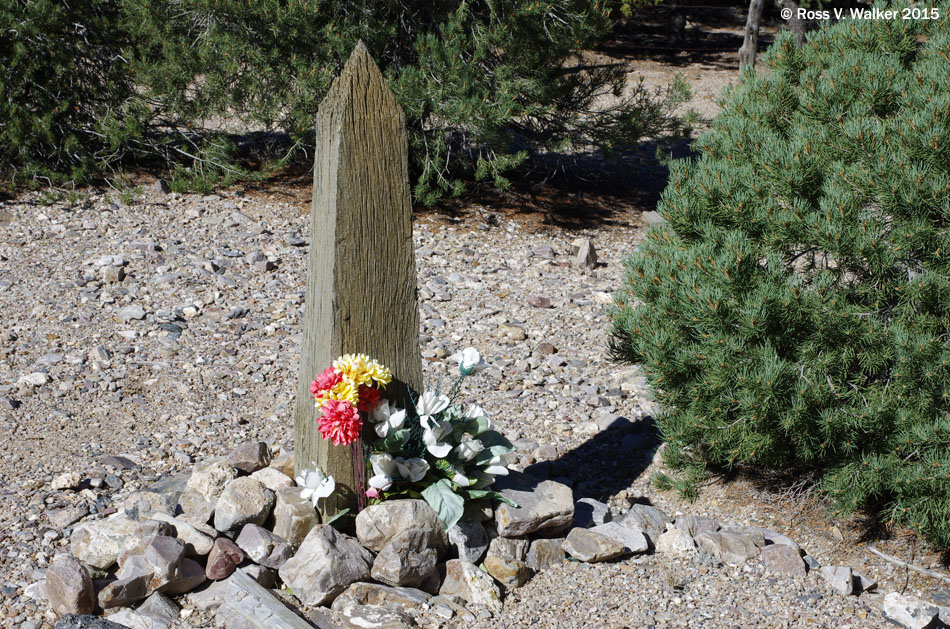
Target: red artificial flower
(325,381)
(340,422)
(369,398)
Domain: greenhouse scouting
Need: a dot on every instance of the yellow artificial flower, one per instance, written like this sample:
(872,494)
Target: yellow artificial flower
(360,369)
(379,374)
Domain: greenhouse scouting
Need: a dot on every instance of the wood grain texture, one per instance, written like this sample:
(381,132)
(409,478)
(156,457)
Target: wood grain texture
(249,605)
(361,273)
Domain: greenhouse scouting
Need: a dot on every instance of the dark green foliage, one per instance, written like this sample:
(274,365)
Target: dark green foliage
(484,83)
(795,310)
(66,105)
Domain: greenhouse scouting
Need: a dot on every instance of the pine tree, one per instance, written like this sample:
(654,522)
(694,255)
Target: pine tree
(795,310)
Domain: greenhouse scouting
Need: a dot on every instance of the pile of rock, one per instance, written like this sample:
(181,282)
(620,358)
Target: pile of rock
(238,539)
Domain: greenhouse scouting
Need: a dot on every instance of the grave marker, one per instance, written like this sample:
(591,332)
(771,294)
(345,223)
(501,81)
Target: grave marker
(361,271)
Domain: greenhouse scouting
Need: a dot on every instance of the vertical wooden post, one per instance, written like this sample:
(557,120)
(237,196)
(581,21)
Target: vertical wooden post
(361,271)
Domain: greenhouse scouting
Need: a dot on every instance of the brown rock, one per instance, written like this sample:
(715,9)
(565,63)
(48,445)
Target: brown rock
(511,573)
(250,457)
(783,559)
(69,587)
(224,557)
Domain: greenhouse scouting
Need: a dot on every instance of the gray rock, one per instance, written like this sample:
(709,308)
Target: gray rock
(377,525)
(839,578)
(652,218)
(273,479)
(545,554)
(131,586)
(61,518)
(326,563)
(470,540)
(812,563)
(197,544)
(466,581)
(69,587)
(134,312)
(397,599)
(160,606)
(264,547)
(585,255)
(407,559)
(695,525)
(250,457)
(99,542)
(191,576)
(373,617)
(590,547)
(770,536)
(909,611)
(510,572)
(134,620)
(144,533)
(510,547)
(195,509)
(863,583)
(542,506)
(293,516)
(783,559)
(632,538)
(140,505)
(265,577)
(165,555)
(729,546)
(675,542)
(589,512)
(85,621)
(209,478)
(243,501)
(648,519)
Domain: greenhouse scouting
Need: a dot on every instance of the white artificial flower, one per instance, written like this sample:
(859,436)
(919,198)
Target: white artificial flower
(468,448)
(382,412)
(431,403)
(432,431)
(315,485)
(474,411)
(470,361)
(413,469)
(393,422)
(461,480)
(497,466)
(384,468)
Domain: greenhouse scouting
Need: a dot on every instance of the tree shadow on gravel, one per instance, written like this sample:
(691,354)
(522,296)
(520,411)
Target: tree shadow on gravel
(606,464)
(574,191)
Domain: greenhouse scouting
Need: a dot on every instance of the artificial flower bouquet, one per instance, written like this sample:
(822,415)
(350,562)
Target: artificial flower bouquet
(430,448)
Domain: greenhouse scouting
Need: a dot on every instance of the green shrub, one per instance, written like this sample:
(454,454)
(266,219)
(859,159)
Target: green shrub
(795,309)
(66,98)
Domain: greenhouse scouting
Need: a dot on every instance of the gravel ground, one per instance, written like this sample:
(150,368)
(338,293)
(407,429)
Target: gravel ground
(195,350)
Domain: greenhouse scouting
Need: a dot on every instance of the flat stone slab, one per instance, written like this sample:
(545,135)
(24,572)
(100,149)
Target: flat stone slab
(590,547)
(542,505)
(247,604)
(729,546)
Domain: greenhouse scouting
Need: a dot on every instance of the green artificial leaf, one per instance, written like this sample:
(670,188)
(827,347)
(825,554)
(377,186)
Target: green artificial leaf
(494,439)
(337,516)
(475,494)
(445,502)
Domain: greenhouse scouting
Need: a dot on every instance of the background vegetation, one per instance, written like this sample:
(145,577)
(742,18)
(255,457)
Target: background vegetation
(195,85)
